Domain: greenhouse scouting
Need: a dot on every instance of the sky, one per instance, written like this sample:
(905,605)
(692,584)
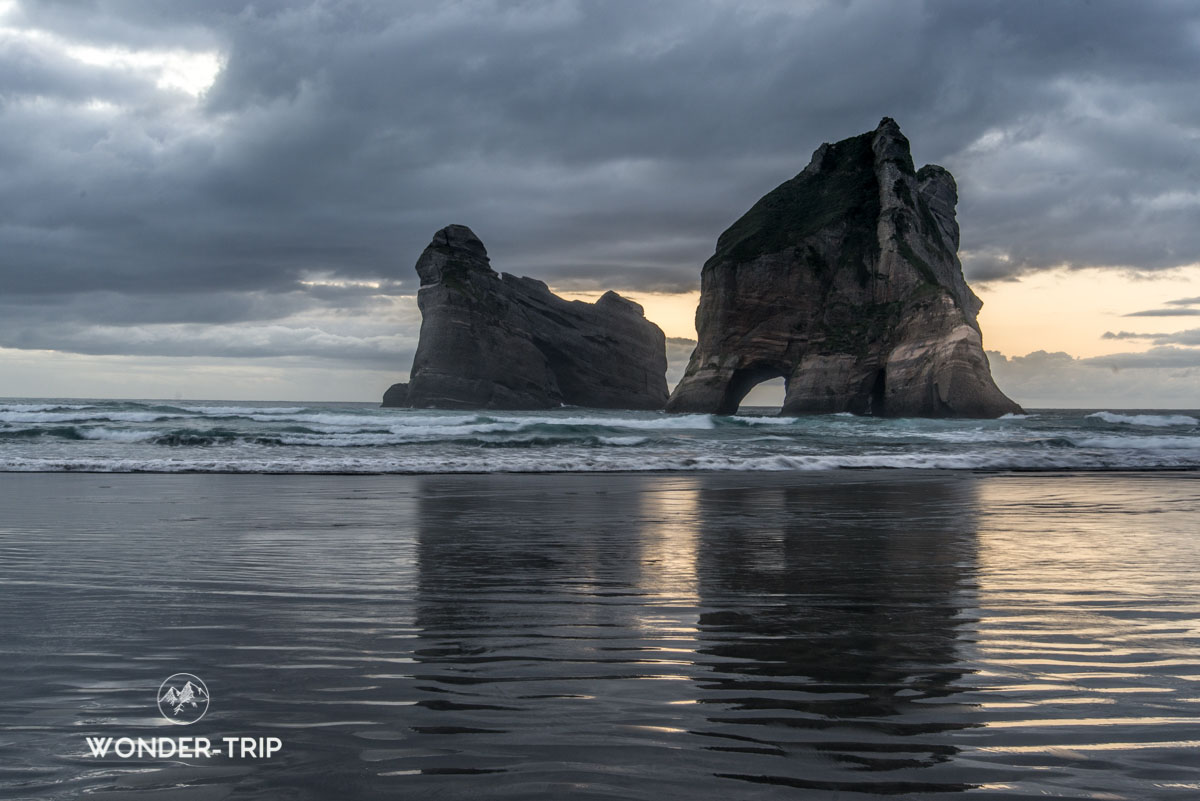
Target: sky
(226,199)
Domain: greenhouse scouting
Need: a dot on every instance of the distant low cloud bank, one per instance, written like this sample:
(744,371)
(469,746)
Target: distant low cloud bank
(1165,378)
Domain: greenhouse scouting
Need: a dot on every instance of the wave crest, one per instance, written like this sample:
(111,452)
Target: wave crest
(1155,420)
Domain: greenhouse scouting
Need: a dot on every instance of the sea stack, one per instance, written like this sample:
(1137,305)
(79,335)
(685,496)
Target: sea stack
(495,341)
(846,282)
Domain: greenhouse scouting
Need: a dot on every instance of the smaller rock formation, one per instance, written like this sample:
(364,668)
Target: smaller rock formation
(396,396)
(495,341)
(846,282)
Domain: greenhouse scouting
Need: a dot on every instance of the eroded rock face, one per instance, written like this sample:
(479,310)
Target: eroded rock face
(846,282)
(495,341)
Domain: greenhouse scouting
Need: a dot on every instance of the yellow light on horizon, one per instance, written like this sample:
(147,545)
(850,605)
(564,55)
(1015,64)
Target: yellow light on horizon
(1053,310)
(1070,310)
(674,313)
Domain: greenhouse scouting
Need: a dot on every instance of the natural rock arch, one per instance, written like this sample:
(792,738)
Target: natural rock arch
(743,381)
(846,281)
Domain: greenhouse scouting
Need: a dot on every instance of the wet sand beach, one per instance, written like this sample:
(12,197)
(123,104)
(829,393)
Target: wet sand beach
(834,634)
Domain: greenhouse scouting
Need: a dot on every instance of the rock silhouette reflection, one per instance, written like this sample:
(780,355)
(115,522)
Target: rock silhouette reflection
(695,631)
(732,636)
(835,617)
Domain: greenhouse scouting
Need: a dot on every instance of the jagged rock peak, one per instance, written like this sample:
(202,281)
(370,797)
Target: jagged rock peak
(845,281)
(455,245)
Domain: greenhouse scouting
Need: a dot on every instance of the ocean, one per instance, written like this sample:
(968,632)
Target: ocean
(248,437)
(582,604)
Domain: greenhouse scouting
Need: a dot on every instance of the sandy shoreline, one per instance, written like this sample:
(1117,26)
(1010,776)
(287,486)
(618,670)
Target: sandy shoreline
(632,635)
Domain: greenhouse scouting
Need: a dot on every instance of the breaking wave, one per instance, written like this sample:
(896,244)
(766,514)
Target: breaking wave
(1156,420)
(153,436)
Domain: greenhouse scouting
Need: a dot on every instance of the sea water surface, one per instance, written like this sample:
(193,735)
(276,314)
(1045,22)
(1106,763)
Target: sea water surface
(797,635)
(228,436)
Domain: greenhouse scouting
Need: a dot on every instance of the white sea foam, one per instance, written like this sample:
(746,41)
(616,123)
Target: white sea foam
(83,417)
(1156,420)
(354,439)
(973,435)
(241,411)
(341,424)
(485,424)
(440,423)
(42,407)
(117,434)
(333,421)
(1140,443)
(432,418)
(339,439)
(346,420)
(578,459)
(125,436)
(977,435)
(695,422)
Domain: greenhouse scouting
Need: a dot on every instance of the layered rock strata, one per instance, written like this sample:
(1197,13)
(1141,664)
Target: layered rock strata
(494,341)
(846,282)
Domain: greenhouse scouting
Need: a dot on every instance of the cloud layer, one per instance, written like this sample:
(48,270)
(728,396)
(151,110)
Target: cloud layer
(1162,378)
(275,168)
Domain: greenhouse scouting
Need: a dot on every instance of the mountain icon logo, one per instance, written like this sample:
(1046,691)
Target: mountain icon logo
(183,698)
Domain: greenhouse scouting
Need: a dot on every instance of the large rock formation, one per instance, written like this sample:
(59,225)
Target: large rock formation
(846,282)
(495,341)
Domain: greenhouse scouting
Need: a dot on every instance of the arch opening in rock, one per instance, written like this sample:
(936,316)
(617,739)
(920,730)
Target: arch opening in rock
(757,384)
(764,398)
(875,401)
(846,270)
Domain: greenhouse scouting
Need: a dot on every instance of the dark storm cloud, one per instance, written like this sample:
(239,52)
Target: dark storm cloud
(1189,337)
(592,145)
(1153,358)
(1165,313)
(146,307)
(374,350)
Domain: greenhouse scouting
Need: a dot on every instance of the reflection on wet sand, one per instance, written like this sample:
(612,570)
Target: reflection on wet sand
(619,636)
(1085,656)
(802,635)
(834,620)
